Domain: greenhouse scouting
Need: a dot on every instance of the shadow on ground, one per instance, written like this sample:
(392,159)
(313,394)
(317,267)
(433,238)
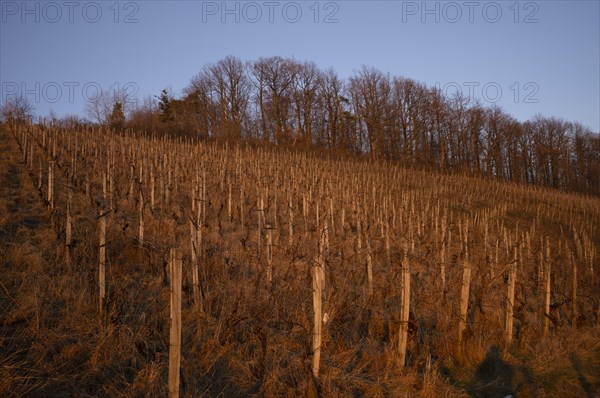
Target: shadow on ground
(494,377)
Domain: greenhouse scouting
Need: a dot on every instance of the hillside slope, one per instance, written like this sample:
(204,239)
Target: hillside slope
(253,225)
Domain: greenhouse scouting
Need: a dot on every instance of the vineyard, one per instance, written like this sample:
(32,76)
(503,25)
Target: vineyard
(134,265)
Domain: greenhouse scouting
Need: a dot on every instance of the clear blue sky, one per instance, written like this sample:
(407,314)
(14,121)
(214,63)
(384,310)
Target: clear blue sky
(544,56)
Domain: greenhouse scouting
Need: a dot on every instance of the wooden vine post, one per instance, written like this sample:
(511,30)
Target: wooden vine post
(573,291)
(318,284)
(141,221)
(547,290)
(369,266)
(465,288)
(443,253)
(404,308)
(290,220)
(102,249)
(175,332)
(40,177)
(259,205)
(194,256)
(510,297)
(68,232)
(102,263)
(229,203)
(269,255)
(51,186)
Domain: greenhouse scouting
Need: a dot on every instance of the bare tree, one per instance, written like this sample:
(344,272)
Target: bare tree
(143,117)
(331,104)
(585,159)
(227,88)
(199,95)
(100,107)
(306,84)
(370,90)
(273,78)
(16,109)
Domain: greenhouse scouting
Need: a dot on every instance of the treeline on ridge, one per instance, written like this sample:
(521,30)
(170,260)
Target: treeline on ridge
(286,102)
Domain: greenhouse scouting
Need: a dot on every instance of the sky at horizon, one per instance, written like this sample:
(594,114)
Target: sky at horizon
(528,57)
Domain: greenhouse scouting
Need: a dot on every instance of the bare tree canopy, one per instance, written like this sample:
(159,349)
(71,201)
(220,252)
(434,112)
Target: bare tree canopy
(16,108)
(284,101)
(101,107)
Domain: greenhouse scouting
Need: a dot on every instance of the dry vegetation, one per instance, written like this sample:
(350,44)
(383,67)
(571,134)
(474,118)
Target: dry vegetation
(482,260)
